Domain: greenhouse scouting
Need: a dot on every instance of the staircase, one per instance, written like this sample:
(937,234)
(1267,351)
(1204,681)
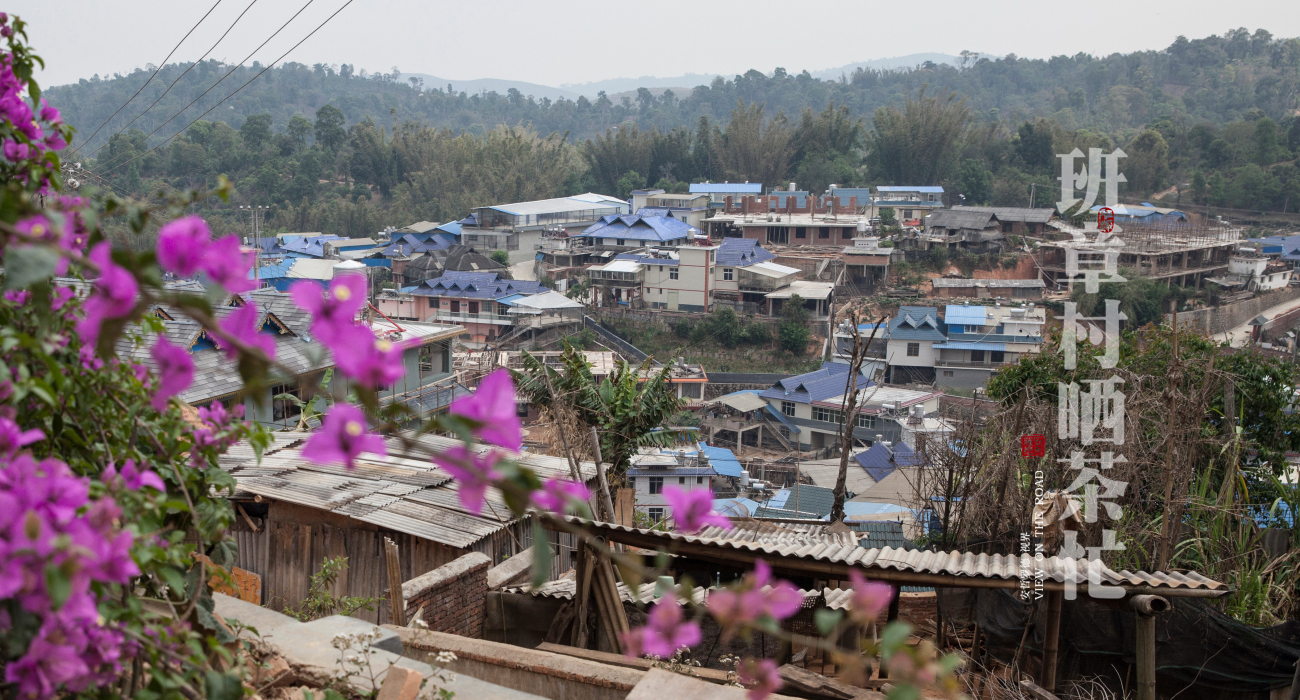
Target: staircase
(613,341)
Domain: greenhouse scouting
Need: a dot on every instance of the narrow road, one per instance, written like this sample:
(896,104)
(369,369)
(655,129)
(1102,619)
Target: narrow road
(1239,337)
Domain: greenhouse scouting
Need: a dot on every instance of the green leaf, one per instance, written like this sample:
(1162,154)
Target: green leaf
(541,554)
(57,585)
(826,620)
(25,265)
(894,636)
(209,621)
(222,686)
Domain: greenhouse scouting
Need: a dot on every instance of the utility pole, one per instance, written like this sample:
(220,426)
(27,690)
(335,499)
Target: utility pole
(255,215)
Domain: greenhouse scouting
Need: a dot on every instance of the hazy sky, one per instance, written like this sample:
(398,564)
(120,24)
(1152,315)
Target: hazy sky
(574,41)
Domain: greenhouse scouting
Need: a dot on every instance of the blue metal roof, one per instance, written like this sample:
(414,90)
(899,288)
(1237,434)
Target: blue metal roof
(658,229)
(722,460)
(963,345)
(916,323)
(735,507)
(925,189)
(965,315)
(880,460)
(780,417)
(510,300)
(741,252)
(831,379)
(726,188)
(476,285)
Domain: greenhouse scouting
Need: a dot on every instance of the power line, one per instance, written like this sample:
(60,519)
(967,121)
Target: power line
(227,75)
(178,78)
(155,72)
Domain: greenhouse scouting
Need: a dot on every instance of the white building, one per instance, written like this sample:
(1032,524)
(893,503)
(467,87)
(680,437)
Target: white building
(655,469)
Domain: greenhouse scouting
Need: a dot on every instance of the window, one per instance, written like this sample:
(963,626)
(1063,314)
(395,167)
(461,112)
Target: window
(656,485)
(997,356)
(455,306)
(618,241)
(656,514)
(429,358)
(473,307)
(661,268)
(846,233)
(865,421)
(1006,227)
(800,232)
(681,480)
(727,274)
(976,355)
(692,391)
(284,409)
(672,273)
(913,349)
(907,213)
(824,232)
(825,415)
(699,479)
(947,373)
(787,407)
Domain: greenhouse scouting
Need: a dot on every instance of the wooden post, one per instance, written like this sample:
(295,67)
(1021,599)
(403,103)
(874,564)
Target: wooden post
(396,606)
(1146,656)
(1052,640)
(600,476)
(582,568)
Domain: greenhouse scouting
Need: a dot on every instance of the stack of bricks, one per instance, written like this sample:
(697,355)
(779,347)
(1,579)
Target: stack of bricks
(452,596)
(917,609)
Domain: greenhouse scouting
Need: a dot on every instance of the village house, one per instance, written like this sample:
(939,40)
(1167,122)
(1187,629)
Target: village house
(910,354)
(718,193)
(520,227)
(689,467)
(963,349)
(799,405)
(690,208)
(636,231)
(956,288)
(1185,254)
(1254,272)
(910,203)
(480,302)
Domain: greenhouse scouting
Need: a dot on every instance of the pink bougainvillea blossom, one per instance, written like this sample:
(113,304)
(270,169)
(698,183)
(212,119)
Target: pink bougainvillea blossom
(228,266)
(343,436)
(17,297)
(559,495)
(60,297)
(333,312)
(760,676)
(492,406)
(113,295)
(14,438)
(869,597)
(366,360)
(175,371)
(755,597)
(693,509)
(241,324)
(473,474)
(664,633)
(133,478)
(182,245)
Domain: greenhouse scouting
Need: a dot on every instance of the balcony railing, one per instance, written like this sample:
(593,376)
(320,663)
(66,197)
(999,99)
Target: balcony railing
(972,365)
(466,317)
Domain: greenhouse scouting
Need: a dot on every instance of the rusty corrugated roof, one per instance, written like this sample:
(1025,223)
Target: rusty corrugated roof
(916,567)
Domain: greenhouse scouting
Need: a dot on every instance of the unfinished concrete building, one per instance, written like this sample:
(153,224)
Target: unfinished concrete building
(1185,256)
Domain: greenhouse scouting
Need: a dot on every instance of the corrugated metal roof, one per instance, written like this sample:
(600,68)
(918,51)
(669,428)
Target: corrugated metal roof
(402,491)
(726,188)
(963,283)
(723,460)
(746,530)
(744,401)
(981,570)
(962,345)
(965,315)
(927,189)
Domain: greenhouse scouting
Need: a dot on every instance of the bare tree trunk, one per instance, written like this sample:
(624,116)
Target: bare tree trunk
(1173,378)
(848,413)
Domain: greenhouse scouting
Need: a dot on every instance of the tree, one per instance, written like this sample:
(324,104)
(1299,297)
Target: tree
(1200,190)
(298,130)
(888,217)
(1266,141)
(792,333)
(329,127)
(500,256)
(256,131)
(974,181)
(920,144)
(1033,145)
(631,180)
(755,148)
(1147,166)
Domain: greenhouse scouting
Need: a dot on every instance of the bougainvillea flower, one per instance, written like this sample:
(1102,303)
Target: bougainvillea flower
(17,296)
(228,266)
(492,406)
(473,474)
(182,245)
(760,676)
(560,494)
(342,437)
(241,324)
(132,477)
(366,360)
(755,597)
(693,509)
(664,633)
(60,296)
(175,371)
(333,312)
(869,597)
(113,295)
(14,438)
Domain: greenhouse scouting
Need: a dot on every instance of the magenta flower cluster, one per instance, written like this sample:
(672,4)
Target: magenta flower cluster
(49,524)
(32,131)
(756,597)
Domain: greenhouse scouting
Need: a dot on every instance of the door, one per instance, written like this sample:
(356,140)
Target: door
(672,301)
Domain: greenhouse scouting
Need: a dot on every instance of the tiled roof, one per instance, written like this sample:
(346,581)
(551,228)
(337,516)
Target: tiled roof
(831,379)
(740,252)
(476,285)
(916,323)
(952,219)
(1035,216)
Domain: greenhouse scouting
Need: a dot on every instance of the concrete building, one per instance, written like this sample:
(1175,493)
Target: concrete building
(480,302)
(910,202)
(690,208)
(983,339)
(633,231)
(781,228)
(518,228)
(910,355)
(1254,272)
(656,468)
(792,401)
(866,263)
(1184,255)
(718,192)
(951,288)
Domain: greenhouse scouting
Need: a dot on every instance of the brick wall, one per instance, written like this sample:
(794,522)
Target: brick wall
(451,595)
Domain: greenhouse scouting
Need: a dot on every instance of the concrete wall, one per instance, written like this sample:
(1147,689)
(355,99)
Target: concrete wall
(961,378)
(529,670)
(1229,316)
(452,595)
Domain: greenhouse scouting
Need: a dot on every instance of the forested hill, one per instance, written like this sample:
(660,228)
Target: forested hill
(1217,79)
